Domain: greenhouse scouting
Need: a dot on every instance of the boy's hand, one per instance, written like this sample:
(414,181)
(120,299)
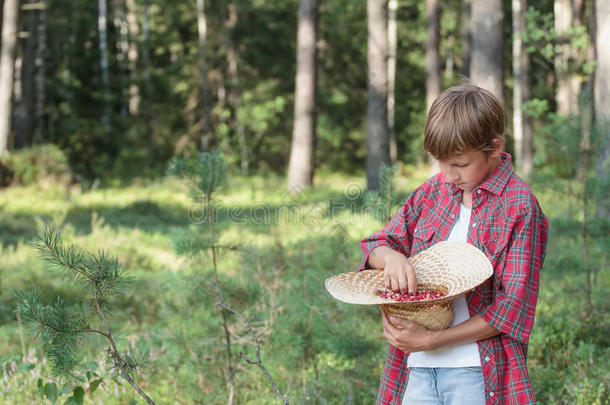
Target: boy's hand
(398,274)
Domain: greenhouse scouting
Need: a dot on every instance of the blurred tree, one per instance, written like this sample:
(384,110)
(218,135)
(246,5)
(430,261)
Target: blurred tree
(568,85)
(433,63)
(205,91)
(466,33)
(377,111)
(25,103)
(41,48)
(602,99)
(132,56)
(102,27)
(392,42)
(300,169)
(10,15)
(235,85)
(486,68)
(433,68)
(522,131)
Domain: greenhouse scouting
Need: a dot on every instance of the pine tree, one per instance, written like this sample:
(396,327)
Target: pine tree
(63,327)
(206,173)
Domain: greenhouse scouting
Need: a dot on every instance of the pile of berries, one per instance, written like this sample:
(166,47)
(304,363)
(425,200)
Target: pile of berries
(417,296)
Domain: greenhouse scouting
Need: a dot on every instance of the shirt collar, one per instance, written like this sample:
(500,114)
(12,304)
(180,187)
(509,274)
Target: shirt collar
(496,183)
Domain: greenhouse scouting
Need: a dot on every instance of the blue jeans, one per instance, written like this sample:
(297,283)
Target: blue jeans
(445,386)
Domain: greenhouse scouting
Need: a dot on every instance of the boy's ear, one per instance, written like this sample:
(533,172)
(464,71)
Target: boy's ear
(498,148)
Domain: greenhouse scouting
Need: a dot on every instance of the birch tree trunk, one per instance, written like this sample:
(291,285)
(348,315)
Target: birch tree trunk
(433,65)
(466,33)
(132,57)
(602,101)
(377,114)
(521,126)
(567,83)
(487,56)
(206,134)
(392,42)
(300,169)
(10,15)
(433,69)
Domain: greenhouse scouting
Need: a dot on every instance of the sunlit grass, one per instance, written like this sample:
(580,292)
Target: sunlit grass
(285,233)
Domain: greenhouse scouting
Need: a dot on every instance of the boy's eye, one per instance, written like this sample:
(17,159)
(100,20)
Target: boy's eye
(460,165)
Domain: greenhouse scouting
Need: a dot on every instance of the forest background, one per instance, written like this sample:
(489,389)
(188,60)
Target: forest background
(317,108)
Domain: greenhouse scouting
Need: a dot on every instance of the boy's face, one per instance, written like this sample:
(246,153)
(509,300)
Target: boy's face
(470,169)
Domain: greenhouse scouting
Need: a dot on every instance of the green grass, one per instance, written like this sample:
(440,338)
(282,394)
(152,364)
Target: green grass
(316,348)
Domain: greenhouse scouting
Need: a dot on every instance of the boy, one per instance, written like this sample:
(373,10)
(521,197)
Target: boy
(476,198)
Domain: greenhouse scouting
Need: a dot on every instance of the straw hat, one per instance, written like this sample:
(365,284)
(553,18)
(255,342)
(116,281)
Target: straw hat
(451,268)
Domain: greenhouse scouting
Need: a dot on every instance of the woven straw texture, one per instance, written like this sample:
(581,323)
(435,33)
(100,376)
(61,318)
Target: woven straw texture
(435,316)
(452,268)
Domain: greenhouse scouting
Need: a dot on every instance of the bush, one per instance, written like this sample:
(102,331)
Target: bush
(38,165)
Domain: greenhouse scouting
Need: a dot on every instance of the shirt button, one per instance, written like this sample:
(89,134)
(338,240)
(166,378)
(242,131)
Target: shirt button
(452,215)
(474,224)
(491,394)
(479,191)
(487,358)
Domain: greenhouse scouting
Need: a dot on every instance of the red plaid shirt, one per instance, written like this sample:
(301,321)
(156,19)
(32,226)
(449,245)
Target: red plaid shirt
(509,226)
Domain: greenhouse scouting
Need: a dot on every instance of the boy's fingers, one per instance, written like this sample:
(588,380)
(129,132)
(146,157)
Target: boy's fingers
(412,279)
(402,282)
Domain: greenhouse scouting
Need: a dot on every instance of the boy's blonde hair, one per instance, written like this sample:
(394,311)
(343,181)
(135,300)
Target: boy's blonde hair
(462,118)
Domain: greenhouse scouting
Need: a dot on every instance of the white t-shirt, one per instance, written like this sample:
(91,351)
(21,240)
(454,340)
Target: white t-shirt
(461,355)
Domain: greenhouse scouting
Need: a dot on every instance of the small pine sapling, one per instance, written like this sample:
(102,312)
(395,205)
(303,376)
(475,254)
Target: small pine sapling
(61,327)
(205,174)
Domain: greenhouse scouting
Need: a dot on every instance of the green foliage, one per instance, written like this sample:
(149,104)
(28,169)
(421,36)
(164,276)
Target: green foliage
(38,165)
(321,350)
(62,328)
(59,327)
(99,275)
(541,37)
(205,173)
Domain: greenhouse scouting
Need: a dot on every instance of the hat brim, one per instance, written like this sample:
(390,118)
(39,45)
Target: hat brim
(453,268)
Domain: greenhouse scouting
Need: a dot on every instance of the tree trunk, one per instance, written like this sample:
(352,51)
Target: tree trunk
(568,85)
(235,87)
(433,69)
(523,142)
(122,50)
(602,102)
(206,134)
(392,40)
(132,57)
(41,46)
(377,111)
(24,87)
(300,169)
(17,98)
(103,48)
(466,32)
(10,15)
(487,55)
(146,72)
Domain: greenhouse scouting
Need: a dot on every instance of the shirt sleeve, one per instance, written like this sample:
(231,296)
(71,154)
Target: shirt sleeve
(512,311)
(398,233)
